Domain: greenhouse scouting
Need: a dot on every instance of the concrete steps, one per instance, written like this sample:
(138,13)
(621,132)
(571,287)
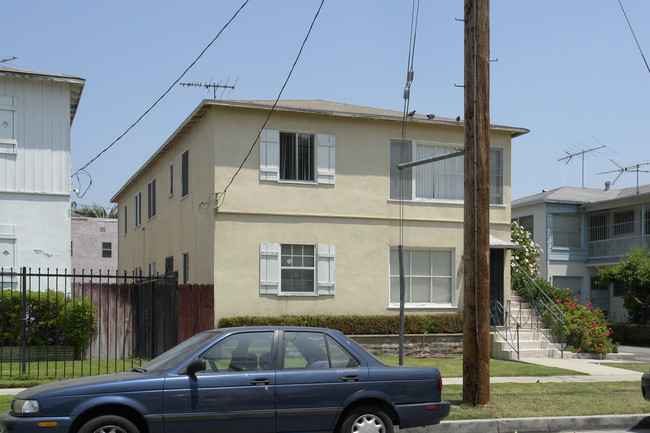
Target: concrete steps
(533,341)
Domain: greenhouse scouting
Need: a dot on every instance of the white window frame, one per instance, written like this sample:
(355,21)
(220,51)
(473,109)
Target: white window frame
(411,175)
(324,157)
(271,270)
(393,272)
(108,250)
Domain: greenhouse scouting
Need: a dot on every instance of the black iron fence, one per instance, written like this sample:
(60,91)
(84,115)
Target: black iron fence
(58,324)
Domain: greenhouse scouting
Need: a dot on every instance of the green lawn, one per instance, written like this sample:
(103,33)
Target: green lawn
(643,367)
(510,400)
(454,367)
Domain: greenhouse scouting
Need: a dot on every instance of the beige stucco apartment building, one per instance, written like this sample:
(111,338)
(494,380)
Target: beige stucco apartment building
(309,221)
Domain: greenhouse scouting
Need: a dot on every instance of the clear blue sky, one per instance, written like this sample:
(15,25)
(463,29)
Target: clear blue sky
(567,70)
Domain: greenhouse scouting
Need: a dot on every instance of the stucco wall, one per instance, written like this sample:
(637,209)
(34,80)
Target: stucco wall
(88,234)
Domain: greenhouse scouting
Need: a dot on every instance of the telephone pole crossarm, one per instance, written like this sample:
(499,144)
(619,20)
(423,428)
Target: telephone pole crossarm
(406,165)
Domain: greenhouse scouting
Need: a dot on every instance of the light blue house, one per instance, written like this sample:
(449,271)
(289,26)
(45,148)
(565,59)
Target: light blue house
(582,229)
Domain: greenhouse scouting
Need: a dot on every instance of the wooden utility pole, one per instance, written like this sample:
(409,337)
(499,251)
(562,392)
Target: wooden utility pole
(476,328)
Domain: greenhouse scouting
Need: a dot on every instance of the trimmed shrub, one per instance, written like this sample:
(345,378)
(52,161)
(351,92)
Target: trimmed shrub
(450,323)
(630,334)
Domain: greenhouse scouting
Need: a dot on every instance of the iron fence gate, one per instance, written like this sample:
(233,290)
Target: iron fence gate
(61,324)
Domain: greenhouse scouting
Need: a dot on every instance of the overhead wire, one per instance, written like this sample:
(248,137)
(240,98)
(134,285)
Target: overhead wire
(634,34)
(165,93)
(220,197)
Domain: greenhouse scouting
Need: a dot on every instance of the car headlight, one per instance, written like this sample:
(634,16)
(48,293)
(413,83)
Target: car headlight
(25,406)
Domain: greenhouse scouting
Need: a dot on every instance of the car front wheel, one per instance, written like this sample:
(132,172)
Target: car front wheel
(366,419)
(109,424)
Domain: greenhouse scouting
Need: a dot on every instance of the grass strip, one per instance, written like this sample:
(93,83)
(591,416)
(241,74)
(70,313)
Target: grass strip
(511,400)
(498,368)
(642,367)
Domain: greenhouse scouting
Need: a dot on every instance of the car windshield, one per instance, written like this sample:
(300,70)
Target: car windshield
(176,354)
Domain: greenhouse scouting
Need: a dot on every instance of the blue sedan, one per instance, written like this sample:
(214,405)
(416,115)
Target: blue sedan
(256,379)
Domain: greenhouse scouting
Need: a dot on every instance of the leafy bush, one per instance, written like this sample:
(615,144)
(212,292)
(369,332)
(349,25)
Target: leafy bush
(585,329)
(359,325)
(53,318)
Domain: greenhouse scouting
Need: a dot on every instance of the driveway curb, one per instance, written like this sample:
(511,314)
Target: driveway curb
(539,425)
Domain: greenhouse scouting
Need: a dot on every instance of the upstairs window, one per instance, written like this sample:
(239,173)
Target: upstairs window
(185,175)
(297,157)
(440,180)
(527,223)
(567,231)
(624,223)
(137,212)
(151,199)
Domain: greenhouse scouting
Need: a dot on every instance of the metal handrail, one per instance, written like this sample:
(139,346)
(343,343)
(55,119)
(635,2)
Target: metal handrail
(542,303)
(497,311)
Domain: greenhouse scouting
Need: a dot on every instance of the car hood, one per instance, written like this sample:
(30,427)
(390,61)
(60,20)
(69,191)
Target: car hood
(105,383)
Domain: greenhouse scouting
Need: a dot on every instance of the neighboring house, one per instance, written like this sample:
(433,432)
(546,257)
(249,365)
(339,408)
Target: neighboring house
(311,222)
(580,230)
(94,246)
(36,113)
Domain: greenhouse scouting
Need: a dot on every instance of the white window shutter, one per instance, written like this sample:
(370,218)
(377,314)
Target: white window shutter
(326,273)
(269,268)
(326,145)
(269,154)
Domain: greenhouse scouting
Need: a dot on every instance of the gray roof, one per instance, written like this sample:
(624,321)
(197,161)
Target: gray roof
(318,106)
(76,83)
(583,196)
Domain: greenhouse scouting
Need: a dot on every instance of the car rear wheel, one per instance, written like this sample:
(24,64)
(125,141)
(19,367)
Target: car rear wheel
(109,424)
(366,419)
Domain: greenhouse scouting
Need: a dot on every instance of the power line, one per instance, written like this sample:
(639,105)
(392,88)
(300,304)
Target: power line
(634,34)
(166,92)
(221,196)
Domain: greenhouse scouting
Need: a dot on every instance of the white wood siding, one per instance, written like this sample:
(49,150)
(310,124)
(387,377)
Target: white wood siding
(41,162)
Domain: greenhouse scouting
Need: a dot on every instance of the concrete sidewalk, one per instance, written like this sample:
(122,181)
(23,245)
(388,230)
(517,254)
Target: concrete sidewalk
(592,371)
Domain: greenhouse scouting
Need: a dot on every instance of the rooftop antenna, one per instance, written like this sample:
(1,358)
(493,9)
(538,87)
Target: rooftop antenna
(9,59)
(210,85)
(634,168)
(582,154)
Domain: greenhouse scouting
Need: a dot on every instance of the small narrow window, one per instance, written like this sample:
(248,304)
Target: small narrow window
(126,213)
(171,179)
(151,199)
(185,183)
(107,249)
(186,268)
(169,266)
(137,213)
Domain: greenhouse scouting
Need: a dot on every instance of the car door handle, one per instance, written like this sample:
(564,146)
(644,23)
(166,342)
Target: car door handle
(262,381)
(351,378)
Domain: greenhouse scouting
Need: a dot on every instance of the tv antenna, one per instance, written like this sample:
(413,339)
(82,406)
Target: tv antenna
(634,168)
(213,86)
(582,155)
(9,59)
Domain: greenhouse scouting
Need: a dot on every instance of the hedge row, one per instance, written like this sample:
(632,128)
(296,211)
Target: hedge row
(450,323)
(631,335)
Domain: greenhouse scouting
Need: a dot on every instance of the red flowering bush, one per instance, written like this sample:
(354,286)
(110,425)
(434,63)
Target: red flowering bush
(585,328)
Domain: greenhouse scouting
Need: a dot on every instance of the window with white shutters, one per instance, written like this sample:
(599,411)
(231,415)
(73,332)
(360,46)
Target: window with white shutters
(297,157)
(295,269)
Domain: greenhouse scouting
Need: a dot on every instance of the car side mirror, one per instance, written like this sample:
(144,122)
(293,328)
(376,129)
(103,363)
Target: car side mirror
(197,364)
